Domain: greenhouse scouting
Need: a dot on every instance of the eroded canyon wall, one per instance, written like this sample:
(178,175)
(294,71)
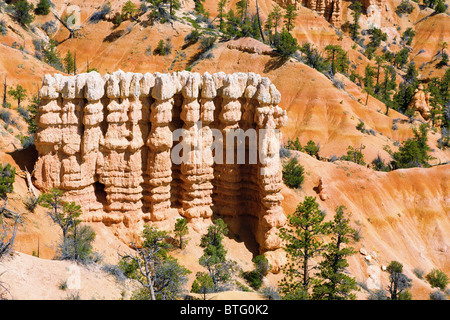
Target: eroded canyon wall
(108,142)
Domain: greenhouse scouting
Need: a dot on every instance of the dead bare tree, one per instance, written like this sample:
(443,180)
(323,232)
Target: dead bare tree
(6,241)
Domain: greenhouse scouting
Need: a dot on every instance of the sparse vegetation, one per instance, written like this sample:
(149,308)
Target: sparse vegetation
(293,173)
(22,12)
(399,283)
(437,279)
(160,275)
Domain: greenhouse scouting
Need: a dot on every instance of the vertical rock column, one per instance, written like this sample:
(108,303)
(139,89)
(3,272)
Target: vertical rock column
(269,118)
(195,173)
(121,172)
(227,175)
(48,136)
(94,90)
(159,164)
(77,185)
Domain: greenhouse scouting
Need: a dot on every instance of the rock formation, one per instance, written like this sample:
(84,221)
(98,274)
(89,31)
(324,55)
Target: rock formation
(111,144)
(420,103)
(329,9)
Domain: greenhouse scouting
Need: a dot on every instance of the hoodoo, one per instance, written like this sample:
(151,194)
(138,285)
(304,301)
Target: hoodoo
(133,148)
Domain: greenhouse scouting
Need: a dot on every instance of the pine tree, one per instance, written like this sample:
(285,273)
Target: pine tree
(181,229)
(42,8)
(221,10)
(293,173)
(333,282)
(7,178)
(161,276)
(19,93)
(289,17)
(33,109)
(22,12)
(304,242)
(414,151)
(285,44)
(129,9)
(276,16)
(398,282)
(355,26)
(69,62)
(214,254)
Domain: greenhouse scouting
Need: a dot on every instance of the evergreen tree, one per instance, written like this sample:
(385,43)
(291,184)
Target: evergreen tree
(314,59)
(401,58)
(161,276)
(293,173)
(338,58)
(203,283)
(129,9)
(408,36)
(440,7)
(242,10)
(355,26)
(214,254)
(304,242)
(355,155)
(285,44)
(289,17)
(333,282)
(19,93)
(199,8)
(276,16)
(268,26)
(398,282)
(7,178)
(221,10)
(69,62)
(181,229)
(33,109)
(369,73)
(414,151)
(22,12)
(42,8)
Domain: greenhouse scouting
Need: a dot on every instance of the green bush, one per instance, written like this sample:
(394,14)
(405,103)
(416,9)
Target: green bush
(437,279)
(254,279)
(293,173)
(285,44)
(405,7)
(311,148)
(414,151)
(22,12)
(42,8)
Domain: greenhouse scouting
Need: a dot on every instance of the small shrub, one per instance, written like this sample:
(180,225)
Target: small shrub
(437,279)
(284,153)
(294,145)
(355,155)
(30,203)
(405,7)
(437,295)
(207,43)
(254,279)
(163,48)
(270,293)
(62,285)
(378,295)
(419,273)
(311,148)
(5,115)
(3,28)
(293,173)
